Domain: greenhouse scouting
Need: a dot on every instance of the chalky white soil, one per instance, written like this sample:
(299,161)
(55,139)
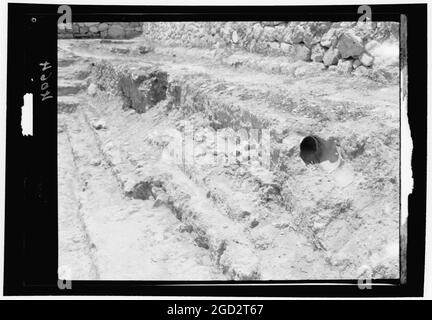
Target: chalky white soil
(127,210)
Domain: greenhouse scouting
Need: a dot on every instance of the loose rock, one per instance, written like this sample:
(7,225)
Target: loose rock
(317,53)
(349,45)
(92,89)
(235,37)
(103,27)
(331,57)
(285,47)
(356,63)
(371,45)
(345,66)
(116,32)
(298,35)
(366,60)
(302,52)
(361,71)
(329,39)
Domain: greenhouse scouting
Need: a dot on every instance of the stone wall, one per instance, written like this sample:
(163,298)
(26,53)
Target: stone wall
(108,30)
(345,44)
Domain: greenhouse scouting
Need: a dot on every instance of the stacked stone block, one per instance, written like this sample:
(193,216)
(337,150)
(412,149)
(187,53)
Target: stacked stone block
(101,30)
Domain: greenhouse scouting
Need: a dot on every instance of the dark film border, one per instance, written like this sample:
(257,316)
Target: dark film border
(31,233)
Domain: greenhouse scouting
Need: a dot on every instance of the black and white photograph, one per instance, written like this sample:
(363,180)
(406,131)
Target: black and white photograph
(220,151)
(233,150)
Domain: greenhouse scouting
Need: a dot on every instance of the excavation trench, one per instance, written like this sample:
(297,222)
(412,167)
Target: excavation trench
(101,178)
(212,231)
(230,250)
(222,233)
(256,223)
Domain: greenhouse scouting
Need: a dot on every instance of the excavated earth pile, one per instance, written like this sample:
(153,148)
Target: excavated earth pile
(133,204)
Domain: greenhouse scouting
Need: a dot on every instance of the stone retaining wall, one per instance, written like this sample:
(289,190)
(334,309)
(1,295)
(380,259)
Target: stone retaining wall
(347,44)
(108,30)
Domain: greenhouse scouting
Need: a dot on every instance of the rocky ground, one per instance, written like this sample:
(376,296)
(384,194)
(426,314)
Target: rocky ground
(131,208)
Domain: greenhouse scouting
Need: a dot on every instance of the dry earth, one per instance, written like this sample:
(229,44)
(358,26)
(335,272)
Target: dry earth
(128,209)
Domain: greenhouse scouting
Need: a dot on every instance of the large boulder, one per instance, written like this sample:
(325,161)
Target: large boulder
(317,53)
(329,38)
(274,47)
(286,48)
(135,24)
(75,28)
(116,31)
(313,34)
(371,45)
(350,45)
(356,63)
(331,57)
(83,29)
(310,40)
(345,66)
(365,30)
(251,46)
(301,52)
(257,30)
(226,30)
(362,71)
(366,59)
(384,54)
(130,33)
(103,27)
(279,32)
(298,34)
(268,34)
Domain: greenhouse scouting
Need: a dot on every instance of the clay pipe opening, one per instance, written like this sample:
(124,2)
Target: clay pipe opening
(315,150)
(310,150)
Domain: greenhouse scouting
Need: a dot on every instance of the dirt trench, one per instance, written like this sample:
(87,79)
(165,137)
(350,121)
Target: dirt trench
(105,234)
(146,215)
